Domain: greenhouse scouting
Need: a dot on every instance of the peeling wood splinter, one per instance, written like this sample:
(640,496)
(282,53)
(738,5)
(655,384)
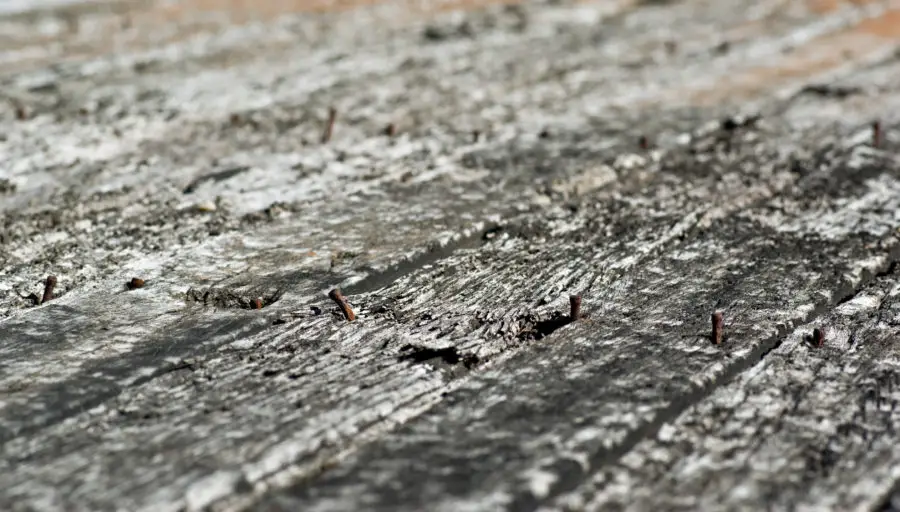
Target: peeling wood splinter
(48,289)
(574,307)
(329,126)
(718,327)
(818,337)
(341,301)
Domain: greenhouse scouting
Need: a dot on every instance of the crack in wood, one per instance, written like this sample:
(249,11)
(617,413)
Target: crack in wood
(571,476)
(230,299)
(216,176)
(378,279)
(448,356)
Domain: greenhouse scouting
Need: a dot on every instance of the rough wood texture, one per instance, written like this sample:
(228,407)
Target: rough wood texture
(664,160)
(810,427)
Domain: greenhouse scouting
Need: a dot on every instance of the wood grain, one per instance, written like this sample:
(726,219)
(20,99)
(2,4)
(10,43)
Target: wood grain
(181,144)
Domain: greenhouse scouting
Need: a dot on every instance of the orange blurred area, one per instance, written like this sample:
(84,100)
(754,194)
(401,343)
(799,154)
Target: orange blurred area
(136,25)
(249,10)
(826,6)
(863,41)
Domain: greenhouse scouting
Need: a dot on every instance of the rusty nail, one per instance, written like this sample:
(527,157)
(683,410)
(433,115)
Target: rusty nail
(329,126)
(48,289)
(718,325)
(574,307)
(876,134)
(257,303)
(818,337)
(135,283)
(390,130)
(341,301)
(643,142)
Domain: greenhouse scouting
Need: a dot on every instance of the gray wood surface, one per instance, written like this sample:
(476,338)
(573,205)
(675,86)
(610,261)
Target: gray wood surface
(182,144)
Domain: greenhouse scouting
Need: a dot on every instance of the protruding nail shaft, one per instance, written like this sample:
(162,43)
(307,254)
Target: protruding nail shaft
(818,337)
(341,301)
(574,307)
(718,327)
(48,289)
(329,126)
(876,134)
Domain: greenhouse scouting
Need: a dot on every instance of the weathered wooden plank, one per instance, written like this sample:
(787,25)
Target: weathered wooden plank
(807,428)
(168,156)
(238,417)
(338,240)
(250,375)
(799,429)
(100,217)
(153,164)
(328,377)
(535,425)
